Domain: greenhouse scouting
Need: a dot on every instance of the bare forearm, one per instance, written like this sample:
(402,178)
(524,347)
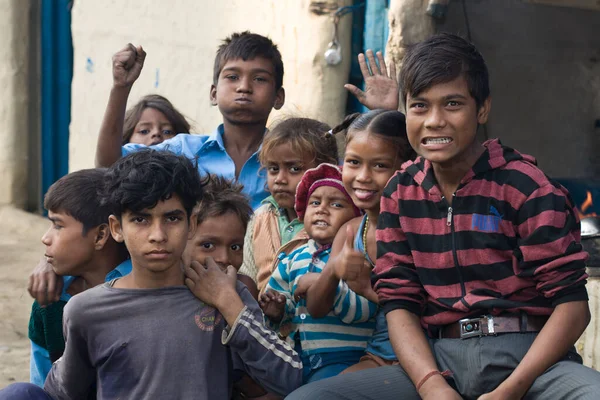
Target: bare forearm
(412,349)
(230,305)
(108,149)
(321,295)
(565,326)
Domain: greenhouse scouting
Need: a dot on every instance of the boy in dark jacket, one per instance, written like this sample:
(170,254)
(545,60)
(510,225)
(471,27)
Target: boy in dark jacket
(474,242)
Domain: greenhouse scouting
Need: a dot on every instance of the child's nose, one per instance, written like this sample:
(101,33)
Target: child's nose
(281,177)
(244,85)
(364,174)
(46,238)
(435,119)
(323,208)
(157,234)
(157,133)
(221,257)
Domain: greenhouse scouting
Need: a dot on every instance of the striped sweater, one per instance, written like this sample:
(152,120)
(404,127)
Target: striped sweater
(348,325)
(510,242)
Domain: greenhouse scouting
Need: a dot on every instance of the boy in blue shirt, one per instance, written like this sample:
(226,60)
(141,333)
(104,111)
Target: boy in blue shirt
(247,85)
(80,249)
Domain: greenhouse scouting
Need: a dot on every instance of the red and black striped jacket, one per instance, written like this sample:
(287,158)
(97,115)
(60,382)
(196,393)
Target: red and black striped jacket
(510,242)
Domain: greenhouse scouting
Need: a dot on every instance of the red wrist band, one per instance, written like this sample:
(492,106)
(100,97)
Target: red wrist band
(430,374)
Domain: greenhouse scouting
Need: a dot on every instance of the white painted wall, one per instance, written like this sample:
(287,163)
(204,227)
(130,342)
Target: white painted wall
(181,38)
(14,48)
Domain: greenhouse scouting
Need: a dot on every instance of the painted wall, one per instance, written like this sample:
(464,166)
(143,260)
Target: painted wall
(14,97)
(544,64)
(180,38)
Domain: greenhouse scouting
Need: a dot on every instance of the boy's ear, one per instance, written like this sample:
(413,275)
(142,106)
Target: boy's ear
(116,229)
(279,98)
(193,226)
(213,95)
(484,111)
(102,233)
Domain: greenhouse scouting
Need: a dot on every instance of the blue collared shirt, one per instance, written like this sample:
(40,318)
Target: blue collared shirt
(212,158)
(39,362)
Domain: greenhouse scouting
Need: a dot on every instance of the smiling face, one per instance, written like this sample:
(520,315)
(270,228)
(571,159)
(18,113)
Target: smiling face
(68,250)
(152,128)
(441,123)
(155,237)
(284,172)
(220,237)
(369,163)
(245,91)
(327,210)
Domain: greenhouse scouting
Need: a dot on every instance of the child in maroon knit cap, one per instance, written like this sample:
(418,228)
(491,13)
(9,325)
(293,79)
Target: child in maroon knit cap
(331,344)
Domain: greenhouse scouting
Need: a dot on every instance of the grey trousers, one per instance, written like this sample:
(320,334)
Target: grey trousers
(478,365)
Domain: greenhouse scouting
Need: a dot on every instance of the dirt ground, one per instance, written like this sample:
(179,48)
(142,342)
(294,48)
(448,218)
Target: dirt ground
(20,251)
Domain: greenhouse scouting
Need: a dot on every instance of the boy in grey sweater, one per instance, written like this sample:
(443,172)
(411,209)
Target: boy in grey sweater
(146,335)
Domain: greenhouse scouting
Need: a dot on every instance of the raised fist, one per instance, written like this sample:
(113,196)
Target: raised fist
(127,65)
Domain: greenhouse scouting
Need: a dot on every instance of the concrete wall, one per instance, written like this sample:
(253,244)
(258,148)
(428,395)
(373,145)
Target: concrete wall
(14,97)
(544,65)
(181,37)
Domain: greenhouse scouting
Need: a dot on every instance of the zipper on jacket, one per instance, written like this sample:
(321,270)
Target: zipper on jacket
(450,223)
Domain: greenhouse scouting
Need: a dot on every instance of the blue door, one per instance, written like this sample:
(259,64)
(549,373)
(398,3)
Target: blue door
(57,73)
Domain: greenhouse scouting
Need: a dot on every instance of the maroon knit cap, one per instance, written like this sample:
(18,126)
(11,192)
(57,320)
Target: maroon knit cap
(323,175)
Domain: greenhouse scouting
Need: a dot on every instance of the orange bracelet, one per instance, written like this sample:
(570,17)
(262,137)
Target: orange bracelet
(430,374)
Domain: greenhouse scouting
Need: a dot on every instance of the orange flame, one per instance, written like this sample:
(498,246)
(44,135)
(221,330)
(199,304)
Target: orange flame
(585,205)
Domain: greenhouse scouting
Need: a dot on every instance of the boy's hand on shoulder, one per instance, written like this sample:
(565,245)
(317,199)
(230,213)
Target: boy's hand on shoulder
(304,283)
(381,88)
(44,285)
(348,264)
(273,305)
(127,65)
(210,283)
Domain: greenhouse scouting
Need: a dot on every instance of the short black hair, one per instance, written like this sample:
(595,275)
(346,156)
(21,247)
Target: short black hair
(222,196)
(440,59)
(247,46)
(76,194)
(143,178)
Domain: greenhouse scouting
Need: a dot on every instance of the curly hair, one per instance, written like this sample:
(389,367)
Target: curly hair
(141,179)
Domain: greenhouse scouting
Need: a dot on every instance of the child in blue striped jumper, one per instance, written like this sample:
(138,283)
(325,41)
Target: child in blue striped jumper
(327,345)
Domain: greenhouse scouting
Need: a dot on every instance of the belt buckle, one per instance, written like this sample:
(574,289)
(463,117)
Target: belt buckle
(471,327)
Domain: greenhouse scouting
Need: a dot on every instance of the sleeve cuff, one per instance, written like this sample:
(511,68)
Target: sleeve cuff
(228,332)
(392,305)
(578,293)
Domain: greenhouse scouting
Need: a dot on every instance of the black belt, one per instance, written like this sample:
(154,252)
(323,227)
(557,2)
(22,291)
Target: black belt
(487,325)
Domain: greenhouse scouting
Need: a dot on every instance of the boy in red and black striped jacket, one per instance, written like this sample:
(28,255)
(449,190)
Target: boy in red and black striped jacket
(475,242)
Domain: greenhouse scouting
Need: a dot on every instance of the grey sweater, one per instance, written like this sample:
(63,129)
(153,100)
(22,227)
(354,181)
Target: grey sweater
(165,344)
